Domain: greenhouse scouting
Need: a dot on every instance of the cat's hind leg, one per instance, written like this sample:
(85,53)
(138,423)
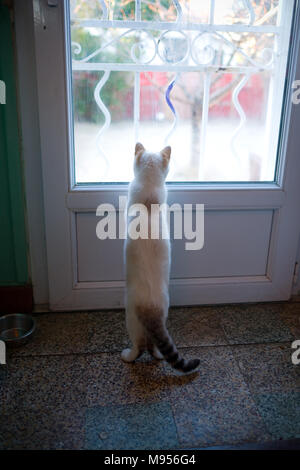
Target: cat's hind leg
(137,336)
(153,350)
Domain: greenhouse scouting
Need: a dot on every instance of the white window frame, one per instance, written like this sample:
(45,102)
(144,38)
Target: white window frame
(276,67)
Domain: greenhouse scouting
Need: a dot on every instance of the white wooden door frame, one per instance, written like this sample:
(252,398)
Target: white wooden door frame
(283,197)
(30,149)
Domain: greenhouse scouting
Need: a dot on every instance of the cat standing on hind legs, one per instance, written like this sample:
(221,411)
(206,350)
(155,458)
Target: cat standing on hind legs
(148,266)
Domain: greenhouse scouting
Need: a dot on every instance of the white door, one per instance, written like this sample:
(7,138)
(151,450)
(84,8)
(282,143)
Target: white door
(216,84)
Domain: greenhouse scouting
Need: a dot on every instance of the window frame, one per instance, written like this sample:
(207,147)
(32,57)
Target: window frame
(282,93)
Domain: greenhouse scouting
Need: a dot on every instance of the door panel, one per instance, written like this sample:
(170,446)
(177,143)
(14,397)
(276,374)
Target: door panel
(242,231)
(97,260)
(228,255)
(251,229)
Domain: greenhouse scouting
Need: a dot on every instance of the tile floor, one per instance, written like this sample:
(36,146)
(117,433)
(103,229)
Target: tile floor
(68,389)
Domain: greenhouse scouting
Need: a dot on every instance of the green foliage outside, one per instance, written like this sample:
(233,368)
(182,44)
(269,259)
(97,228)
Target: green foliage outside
(113,93)
(118,91)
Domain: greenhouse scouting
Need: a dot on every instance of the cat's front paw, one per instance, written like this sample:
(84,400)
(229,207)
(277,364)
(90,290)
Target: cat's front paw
(127,355)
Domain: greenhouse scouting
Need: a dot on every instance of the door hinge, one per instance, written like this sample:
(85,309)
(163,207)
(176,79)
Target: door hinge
(296,273)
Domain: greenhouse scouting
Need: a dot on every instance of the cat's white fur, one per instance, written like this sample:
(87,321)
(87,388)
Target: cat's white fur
(148,266)
(147,260)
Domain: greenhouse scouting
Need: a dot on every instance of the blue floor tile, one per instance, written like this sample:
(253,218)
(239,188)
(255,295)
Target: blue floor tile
(132,426)
(280,413)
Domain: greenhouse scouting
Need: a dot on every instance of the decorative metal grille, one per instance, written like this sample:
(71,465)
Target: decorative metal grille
(175,38)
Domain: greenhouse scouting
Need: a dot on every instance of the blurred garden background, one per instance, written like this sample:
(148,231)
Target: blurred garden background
(197,155)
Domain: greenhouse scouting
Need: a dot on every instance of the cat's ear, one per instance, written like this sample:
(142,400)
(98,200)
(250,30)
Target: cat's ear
(166,154)
(139,148)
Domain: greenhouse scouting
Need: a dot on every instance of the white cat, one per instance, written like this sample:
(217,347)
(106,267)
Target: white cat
(148,267)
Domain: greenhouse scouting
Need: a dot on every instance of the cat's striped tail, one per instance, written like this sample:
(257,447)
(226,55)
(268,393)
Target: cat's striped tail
(153,321)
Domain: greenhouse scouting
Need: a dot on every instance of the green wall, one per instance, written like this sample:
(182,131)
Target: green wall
(13,246)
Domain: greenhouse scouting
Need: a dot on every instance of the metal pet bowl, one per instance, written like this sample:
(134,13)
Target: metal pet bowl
(16,328)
